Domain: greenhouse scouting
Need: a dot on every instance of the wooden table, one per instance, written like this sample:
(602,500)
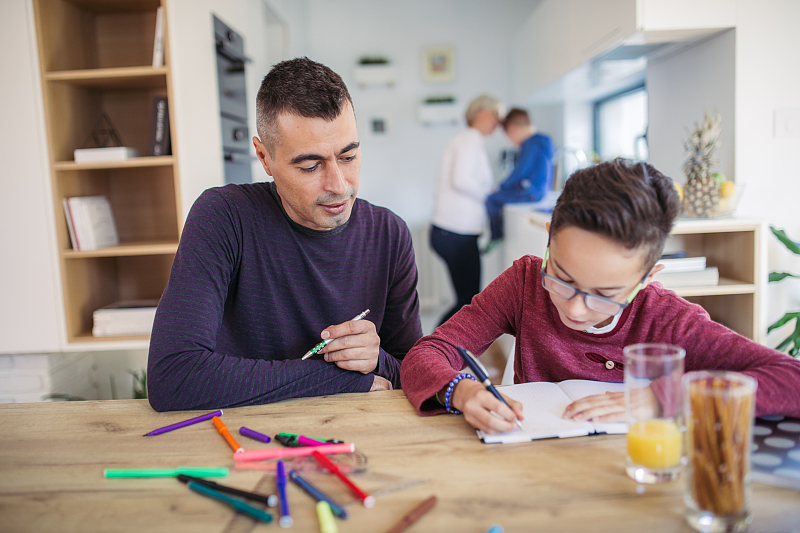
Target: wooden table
(52,457)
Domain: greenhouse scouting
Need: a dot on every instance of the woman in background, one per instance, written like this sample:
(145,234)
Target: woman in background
(464,180)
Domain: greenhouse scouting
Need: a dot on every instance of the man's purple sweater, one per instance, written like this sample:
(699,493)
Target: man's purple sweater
(251,291)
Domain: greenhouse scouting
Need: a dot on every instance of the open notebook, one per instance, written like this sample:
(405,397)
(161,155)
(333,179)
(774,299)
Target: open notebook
(544,403)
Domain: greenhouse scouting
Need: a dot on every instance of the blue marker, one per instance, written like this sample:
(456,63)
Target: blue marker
(317,494)
(496,529)
(286,519)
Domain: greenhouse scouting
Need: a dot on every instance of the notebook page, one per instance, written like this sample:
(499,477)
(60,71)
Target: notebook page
(580,388)
(543,404)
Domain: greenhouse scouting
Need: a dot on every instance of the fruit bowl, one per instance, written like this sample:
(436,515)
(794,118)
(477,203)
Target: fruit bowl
(729,196)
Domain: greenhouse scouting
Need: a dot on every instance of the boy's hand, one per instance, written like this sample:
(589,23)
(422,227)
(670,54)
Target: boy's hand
(610,407)
(355,345)
(477,403)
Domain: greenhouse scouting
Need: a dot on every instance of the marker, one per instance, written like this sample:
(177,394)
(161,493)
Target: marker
(239,505)
(415,514)
(227,435)
(165,472)
(326,522)
(483,377)
(277,453)
(367,500)
(496,529)
(185,423)
(270,500)
(255,435)
(310,442)
(324,343)
(337,509)
(286,519)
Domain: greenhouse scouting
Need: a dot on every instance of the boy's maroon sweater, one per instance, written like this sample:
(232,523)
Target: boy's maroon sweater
(547,350)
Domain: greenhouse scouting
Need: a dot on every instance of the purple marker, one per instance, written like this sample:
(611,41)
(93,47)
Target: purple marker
(247,432)
(185,423)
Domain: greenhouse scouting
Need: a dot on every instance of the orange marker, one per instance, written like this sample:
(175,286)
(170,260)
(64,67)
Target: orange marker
(226,434)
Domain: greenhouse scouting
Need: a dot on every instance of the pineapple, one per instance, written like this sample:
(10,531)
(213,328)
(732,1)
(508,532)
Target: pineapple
(701,191)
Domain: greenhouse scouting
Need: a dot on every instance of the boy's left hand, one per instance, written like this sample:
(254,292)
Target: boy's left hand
(608,407)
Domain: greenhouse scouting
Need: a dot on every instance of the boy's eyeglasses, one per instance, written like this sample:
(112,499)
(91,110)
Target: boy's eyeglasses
(592,301)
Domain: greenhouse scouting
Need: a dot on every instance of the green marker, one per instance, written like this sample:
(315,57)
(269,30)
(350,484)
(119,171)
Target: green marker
(165,472)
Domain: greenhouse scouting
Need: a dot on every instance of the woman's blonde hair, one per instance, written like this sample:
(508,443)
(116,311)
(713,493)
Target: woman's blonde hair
(483,102)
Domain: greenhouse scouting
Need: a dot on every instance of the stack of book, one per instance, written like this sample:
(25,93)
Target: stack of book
(90,222)
(686,272)
(126,317)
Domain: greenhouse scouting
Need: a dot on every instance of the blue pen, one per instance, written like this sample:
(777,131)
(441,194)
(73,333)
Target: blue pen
(286,519)
(318,494)
(483,377)
(236,503)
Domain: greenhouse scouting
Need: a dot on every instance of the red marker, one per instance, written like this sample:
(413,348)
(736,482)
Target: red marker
(366,499)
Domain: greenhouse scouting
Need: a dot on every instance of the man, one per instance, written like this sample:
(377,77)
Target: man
(532,175)
(262,268)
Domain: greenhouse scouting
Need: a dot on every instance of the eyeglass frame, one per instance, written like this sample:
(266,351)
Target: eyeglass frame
(586,295)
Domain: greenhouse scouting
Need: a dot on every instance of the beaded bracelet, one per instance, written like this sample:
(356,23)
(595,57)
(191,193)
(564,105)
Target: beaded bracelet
(449,392)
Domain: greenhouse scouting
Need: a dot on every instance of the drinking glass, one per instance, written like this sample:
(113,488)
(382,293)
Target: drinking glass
(719,436)
(654,410)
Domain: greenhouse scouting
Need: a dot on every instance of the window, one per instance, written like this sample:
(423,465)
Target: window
(620,125)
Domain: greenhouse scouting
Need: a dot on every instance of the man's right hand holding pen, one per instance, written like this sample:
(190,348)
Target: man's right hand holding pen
(478,405)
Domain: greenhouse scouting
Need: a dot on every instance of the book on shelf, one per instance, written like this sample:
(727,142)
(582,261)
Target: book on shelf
(682,264)
(104,155)
(158,41)
(543,403)
(125,317)
(159,128)
(701,278)
(90,222)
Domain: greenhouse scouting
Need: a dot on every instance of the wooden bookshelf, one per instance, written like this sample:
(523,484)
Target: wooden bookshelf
(96,57)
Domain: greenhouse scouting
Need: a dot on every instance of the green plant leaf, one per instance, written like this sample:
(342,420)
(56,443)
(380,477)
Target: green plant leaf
(789,243)
(783,320)
(780,276)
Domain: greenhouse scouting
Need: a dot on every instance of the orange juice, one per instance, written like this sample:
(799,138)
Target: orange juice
(655,443)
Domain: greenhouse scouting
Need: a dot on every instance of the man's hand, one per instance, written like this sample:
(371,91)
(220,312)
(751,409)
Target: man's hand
(478,404)
(355,346)
(380,384)
(610,407)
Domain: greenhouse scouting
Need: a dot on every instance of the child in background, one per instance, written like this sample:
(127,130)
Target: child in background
(532,176)
(574,311)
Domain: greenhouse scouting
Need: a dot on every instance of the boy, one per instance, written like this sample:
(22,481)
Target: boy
(532,176)
(574,311)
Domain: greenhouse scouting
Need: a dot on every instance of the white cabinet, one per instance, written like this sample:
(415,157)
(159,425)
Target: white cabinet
(561,35)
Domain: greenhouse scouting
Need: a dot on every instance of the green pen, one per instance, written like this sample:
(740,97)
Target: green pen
(165,472)
(324,343)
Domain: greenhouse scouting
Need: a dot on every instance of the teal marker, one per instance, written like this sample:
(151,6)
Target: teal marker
(239,505)
(324,343)
(165,472)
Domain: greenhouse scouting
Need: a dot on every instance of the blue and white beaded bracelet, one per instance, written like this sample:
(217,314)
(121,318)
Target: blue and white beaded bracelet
(449,392)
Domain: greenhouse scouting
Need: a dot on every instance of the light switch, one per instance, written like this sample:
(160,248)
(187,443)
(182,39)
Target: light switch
(787,123)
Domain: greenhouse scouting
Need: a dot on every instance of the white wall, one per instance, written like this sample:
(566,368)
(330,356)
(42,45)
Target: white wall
(767,78)
(679,89)
(30,302)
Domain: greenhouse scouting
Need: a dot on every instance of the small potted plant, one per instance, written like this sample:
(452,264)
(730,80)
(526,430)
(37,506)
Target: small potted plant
(790,344)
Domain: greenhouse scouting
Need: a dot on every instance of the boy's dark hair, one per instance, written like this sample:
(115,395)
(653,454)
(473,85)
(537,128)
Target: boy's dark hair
(301,87)
(629,202)
(516,117)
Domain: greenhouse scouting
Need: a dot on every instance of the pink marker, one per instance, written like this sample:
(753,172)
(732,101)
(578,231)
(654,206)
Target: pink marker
(311,442)
(278,453)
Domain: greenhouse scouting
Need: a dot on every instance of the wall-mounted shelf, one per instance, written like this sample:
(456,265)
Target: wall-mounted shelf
(439,113)
(379,74)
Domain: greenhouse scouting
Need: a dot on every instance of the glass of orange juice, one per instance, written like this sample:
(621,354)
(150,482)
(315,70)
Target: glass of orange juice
(654,410)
